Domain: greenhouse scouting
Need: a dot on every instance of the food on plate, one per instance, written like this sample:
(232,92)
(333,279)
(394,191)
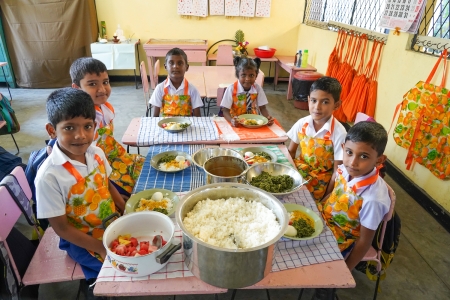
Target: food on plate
(158,202)
(175,125)
(302,223)
(233,223)
(290,231)
(257,157)
(251,122)
(273,184)
(126,245)
(173,163)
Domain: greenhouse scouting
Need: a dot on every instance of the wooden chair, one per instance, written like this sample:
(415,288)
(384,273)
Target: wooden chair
(224,55)
(49,263)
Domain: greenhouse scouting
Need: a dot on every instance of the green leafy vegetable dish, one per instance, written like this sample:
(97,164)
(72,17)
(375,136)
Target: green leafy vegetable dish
(166,158)
(273,184)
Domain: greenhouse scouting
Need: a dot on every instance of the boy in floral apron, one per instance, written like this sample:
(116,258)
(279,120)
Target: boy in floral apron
(72,186)
(245,96)
(320,136)
(359,198)
(176,96)
(91,76)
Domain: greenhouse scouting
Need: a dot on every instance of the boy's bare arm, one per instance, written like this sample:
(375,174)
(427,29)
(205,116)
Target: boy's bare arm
(197,112)
(292,148)
(117,198)
(266,114)
(361,247)
(156,111)
(77,237)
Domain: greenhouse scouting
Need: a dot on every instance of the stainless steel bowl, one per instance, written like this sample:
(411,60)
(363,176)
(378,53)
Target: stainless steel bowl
(224,169)
(229,268)
(202,155)
(154,162)
(276,169)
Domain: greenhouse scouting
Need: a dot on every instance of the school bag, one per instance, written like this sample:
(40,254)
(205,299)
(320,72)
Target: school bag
(8,162)
(7,114)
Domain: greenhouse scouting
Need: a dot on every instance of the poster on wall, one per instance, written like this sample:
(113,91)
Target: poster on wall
(200,8)
(232,8)
(247,8)
(217,7)
(185,7)
(263,8)
(402,14)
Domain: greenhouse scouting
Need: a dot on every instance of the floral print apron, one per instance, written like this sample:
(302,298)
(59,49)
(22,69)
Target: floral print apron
(176,105)
(316,161)
(239,106)
(341,210)
(125,167)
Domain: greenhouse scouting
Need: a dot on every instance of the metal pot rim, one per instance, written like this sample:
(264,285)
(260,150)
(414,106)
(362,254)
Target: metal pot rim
(230,185)
(236,176)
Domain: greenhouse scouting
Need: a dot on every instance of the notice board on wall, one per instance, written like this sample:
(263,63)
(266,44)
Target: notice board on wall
(228,8)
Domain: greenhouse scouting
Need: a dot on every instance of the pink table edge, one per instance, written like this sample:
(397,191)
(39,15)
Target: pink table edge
(282,62)
(130,137)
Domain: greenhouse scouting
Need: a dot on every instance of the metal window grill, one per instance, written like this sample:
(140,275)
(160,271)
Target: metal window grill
(360,13)
(434,29)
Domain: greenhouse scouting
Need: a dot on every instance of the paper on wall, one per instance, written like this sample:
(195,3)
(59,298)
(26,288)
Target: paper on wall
(217,7)
(185,7)
(247,8)
(402,14)
(232,8)
(263,8)
(200,8)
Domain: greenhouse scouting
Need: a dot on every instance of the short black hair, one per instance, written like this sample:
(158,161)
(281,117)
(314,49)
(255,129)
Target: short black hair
(85,65)
(371,133)
(245,63)
(177,51)
(328,84)
(68,103)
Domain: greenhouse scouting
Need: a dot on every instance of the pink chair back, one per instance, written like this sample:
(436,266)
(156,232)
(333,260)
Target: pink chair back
(225,55)
(220,92)
(156,71)
(363,117)
(145,87)
(9,215)
(19,173)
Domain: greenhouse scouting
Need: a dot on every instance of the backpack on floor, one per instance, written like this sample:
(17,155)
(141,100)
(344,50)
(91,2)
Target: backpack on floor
(7,114)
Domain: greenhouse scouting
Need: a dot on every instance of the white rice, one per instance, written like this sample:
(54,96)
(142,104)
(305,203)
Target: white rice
(225,223)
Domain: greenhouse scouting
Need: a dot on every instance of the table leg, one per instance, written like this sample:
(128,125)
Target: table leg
(277,71)
(270,67)
(7,83)
(289,89)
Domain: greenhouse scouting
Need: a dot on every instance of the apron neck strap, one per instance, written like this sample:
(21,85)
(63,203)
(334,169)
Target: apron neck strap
(186,87)
(74,172)
(327,135)
(365,182)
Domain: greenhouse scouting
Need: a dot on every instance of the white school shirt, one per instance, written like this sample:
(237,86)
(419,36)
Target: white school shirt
(376,200)
(158,93)
(53,182)
(227,99)
(338,136)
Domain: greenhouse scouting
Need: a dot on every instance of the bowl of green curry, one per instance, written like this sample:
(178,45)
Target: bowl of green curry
(277,179)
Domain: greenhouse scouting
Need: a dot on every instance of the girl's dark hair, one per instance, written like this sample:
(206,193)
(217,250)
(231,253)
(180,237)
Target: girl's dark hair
(243,63)
(371,133)
(328,84)
(68,103)
(85,65)
(177,51)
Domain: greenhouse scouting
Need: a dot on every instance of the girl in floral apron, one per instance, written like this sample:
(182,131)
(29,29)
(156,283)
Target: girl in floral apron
(245,96)
(176,96)
(320,137)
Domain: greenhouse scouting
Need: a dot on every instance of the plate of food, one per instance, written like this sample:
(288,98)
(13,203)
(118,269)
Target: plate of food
(174,125)
(161,200)
(252,121)
(171,161)
(304,224)
(256,155)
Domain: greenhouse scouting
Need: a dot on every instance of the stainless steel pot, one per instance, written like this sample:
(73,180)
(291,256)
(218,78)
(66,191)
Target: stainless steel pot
(206,153)
(229,268)
(224,169)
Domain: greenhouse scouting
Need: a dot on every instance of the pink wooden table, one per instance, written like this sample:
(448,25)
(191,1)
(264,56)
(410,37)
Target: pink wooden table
(213,57)
(197,79)
(131,134)
(286,62)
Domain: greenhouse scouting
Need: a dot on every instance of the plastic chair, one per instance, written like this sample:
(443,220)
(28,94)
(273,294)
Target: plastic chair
(146,89)
(224,55)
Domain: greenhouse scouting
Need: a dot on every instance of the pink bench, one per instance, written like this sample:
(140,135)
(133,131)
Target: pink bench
(49,263)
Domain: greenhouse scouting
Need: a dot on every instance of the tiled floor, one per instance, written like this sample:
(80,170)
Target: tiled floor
(421,266)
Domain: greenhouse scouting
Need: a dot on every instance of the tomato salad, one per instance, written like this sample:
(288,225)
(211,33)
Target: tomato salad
(126,245)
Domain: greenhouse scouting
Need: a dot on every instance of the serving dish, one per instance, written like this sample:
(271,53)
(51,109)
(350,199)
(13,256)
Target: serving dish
(318,224)
(155,159)
(204,154)
(133,202)
(254,150)
(174,119)
(244,117)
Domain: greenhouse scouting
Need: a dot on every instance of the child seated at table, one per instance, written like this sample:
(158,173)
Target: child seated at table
(176,96)
(91,76)
(320,136)
(72,186)
(245,96)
